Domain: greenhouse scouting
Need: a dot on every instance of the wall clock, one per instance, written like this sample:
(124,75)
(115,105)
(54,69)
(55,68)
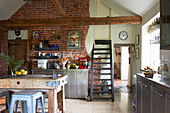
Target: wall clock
(123,35)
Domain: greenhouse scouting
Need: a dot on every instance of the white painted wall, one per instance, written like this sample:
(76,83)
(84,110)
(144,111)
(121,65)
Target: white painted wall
(138,30)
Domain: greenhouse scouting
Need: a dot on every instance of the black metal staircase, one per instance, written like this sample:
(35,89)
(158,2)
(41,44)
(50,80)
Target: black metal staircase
(99,51)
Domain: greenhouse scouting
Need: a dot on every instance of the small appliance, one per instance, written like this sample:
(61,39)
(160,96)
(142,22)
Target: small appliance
(83,63)
(42,64)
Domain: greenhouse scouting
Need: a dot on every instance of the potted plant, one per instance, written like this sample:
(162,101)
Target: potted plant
(11,62)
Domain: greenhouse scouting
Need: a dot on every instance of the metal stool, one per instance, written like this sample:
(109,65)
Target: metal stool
(28,100)
(5,93)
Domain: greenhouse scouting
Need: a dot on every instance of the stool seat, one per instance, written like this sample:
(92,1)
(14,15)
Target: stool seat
(29,98)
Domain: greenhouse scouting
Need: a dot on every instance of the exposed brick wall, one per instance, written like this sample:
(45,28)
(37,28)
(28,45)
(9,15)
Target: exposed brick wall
(46,9)
(3,64)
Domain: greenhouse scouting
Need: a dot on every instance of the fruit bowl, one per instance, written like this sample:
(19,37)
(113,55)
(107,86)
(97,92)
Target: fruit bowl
(21,72)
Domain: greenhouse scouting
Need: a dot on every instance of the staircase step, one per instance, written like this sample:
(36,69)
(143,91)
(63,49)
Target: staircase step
(103,63)
(101,73)
(102,85)
(101,68)
(101,79)
(100,58)
(100,53)
(101,49)
(102,92)
(103,42)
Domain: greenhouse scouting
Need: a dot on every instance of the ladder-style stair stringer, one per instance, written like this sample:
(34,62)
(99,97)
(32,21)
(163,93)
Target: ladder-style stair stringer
(97,51)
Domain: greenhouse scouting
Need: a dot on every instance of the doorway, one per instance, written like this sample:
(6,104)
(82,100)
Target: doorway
(18,48)
(123,58)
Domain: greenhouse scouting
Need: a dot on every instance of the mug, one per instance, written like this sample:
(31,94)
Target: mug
(43,54)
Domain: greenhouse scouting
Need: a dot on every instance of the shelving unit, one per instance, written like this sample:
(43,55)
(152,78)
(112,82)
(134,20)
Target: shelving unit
(46,57)
(151,29)
(46,49)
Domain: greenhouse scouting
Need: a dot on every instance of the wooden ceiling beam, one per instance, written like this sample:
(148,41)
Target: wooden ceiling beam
(73,21)
(59,7)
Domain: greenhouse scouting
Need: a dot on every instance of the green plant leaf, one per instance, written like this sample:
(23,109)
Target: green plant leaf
(11,61)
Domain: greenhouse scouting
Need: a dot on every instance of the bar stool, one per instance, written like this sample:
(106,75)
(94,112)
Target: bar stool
(5,93)
(28,100)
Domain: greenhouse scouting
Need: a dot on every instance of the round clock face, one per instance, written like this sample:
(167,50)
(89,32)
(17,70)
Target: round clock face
(123,35)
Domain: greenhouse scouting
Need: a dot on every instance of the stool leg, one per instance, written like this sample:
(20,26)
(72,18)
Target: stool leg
(7,100)
(23,107)
(42,104)
(37,100)
(12,105)
(16,107)
(28,106)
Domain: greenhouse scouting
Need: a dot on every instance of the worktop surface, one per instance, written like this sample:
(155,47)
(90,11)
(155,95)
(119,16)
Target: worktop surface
(157,78)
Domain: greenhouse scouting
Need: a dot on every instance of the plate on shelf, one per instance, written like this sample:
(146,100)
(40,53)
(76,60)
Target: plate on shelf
(36,34)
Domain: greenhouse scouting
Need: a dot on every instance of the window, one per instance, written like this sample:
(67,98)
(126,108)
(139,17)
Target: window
(151,45)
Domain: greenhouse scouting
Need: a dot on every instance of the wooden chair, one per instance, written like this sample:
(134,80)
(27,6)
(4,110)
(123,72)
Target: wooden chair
(28,101)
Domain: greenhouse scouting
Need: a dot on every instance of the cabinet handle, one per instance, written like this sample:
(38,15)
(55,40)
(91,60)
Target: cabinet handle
(161,95)
(146,86)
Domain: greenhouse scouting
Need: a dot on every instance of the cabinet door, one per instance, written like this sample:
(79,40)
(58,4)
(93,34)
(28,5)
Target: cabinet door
(139,90)
(158,101)
(146,98)
(168,104)
(70,87)
(165,26)
(82,84)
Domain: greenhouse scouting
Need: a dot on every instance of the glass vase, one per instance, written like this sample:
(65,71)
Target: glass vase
(13,72)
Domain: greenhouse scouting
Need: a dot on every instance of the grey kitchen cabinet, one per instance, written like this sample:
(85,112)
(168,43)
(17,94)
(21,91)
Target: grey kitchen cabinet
(77,86)
(164,24)
(168,103)
(81,88)
(146,97)
(71,86)
(154,95)
(139,90)
(158,101)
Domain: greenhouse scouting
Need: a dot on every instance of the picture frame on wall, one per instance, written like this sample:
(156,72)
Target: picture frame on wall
(137,53)
(73,40)
(137,40)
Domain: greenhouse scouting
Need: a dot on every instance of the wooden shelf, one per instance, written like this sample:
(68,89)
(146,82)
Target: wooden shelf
(151,29)
(46,49)
(46,57)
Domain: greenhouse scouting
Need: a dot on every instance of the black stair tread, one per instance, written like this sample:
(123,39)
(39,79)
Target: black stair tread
(101,68)
(104,42)
(101,53)
(101,58)
(101,73)
(101,48)
(101,85)
(102,92)
(101,79)
(103,63)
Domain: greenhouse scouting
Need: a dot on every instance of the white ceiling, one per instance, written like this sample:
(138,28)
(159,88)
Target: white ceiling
(138,7)
(9,7)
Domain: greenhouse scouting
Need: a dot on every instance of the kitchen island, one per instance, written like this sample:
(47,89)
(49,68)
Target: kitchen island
(54,87)
(153,94)
(77,86)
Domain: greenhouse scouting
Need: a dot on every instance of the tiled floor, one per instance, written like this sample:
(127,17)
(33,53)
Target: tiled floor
(122,104)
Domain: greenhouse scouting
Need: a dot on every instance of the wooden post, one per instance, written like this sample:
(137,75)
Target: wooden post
(61,100)
(52,101)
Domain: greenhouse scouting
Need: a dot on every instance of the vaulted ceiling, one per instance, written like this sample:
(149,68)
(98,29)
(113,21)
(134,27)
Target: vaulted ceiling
(136,7)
